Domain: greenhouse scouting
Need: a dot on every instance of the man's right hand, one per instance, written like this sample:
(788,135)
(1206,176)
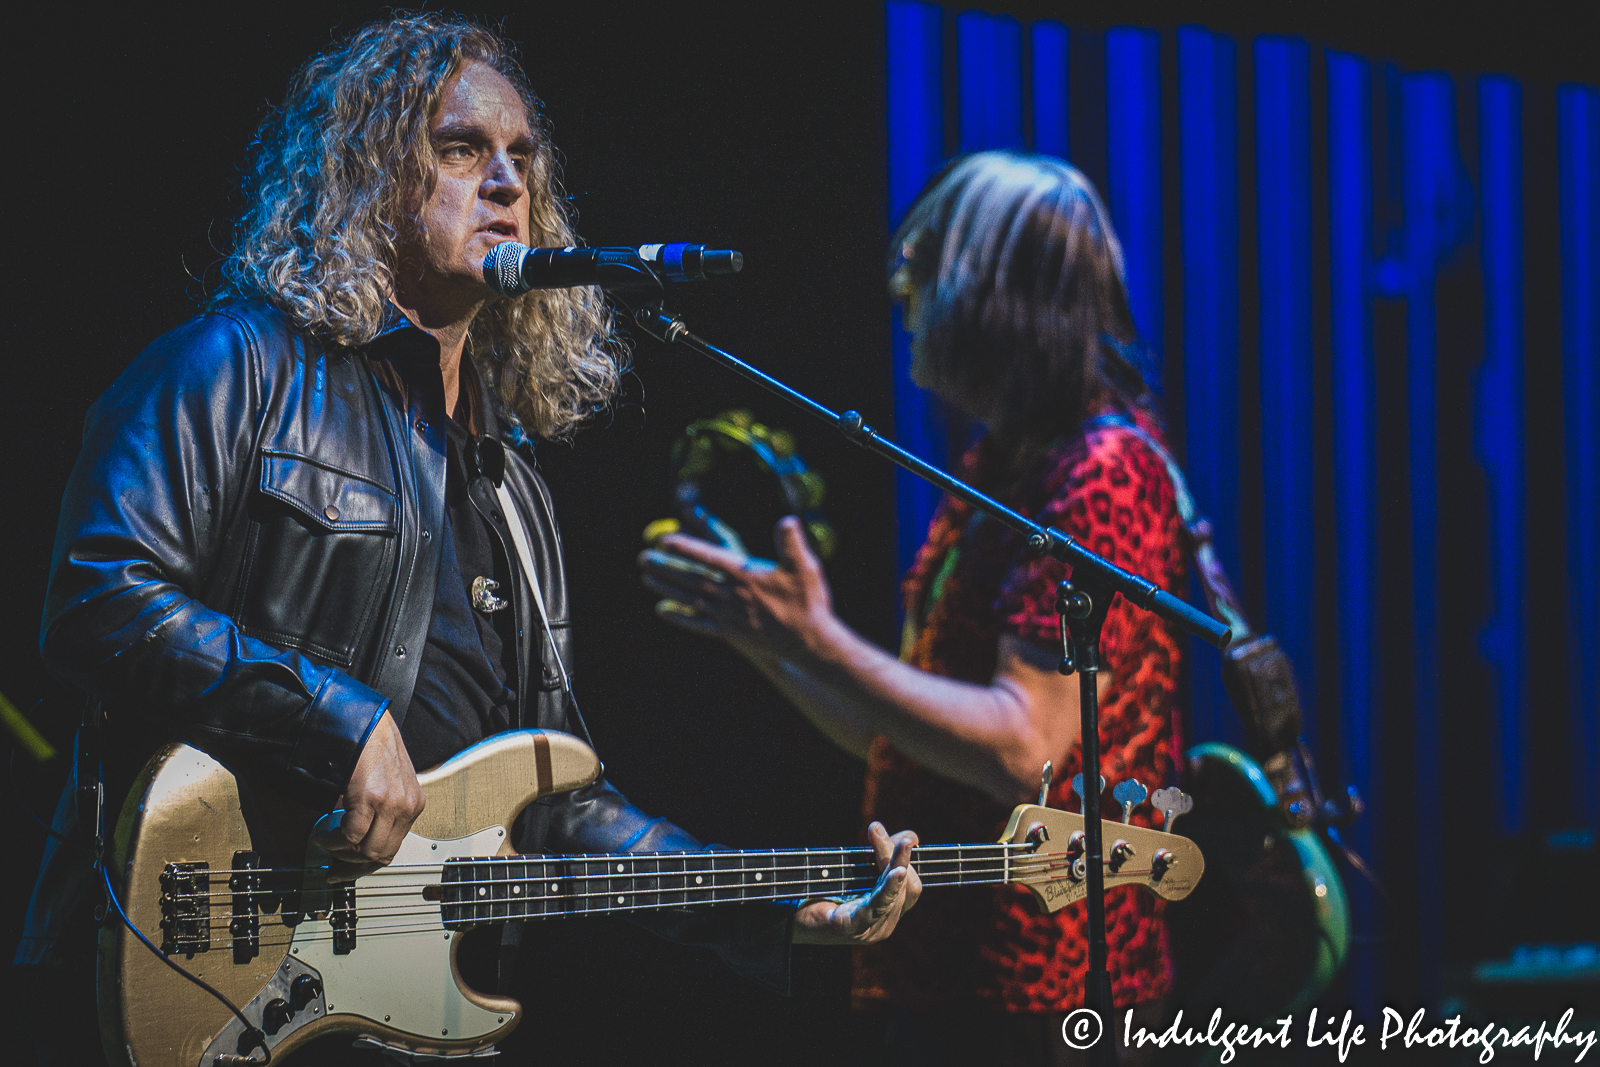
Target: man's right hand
(381,802)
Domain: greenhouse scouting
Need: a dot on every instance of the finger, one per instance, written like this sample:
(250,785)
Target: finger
(356,823)
(381,842)
(676,568)
(793,549)
(703,552)
(684,592)
(688,617)
(913,890)
(901,856)
(722,535)
(908,836)
(905,841)
(882,849)
(886,903)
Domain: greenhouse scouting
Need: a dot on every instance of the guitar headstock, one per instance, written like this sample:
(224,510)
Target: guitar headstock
(1166,864)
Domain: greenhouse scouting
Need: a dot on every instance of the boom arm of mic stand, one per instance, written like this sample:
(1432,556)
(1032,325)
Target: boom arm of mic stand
(1042,539)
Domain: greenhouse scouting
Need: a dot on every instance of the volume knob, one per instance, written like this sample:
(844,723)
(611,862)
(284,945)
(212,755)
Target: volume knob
(275,1015)
(303,990)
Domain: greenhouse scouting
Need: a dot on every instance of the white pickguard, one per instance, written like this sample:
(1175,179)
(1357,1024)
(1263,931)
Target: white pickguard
(401,978)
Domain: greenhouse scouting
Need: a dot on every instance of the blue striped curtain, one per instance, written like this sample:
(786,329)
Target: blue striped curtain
(1302,228)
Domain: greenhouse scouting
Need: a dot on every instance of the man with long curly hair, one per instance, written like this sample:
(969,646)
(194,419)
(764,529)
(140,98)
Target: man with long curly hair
(285,539)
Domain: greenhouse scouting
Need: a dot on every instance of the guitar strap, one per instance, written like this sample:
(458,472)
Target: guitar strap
(519,538)
(1256,672)
(511,935)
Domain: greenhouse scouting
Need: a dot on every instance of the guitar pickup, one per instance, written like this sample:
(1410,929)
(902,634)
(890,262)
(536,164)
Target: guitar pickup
(342,919)
(245,925)
(186,908)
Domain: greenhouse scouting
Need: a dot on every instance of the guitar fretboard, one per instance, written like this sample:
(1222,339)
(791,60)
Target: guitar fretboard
(495,888)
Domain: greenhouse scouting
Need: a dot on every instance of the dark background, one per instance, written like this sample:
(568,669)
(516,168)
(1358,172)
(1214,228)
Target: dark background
(755,128)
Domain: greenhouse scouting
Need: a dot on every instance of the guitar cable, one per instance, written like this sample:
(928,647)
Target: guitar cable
(256,1037)
(253,1034)
(88,737)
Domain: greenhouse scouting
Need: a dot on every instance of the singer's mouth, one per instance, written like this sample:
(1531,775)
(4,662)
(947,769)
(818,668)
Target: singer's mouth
(501,229)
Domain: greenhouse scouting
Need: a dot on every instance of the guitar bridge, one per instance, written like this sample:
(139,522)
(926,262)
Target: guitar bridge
(186,908)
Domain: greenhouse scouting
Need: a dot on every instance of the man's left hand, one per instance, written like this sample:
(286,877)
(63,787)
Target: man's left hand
(870,916)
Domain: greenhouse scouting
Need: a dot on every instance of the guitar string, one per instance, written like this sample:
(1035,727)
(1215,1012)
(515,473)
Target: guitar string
(534,857)
(440,926)
(840,882)
(386,929)
(433,908)
(413,887)
(861,886)
(931,869)
(920,863)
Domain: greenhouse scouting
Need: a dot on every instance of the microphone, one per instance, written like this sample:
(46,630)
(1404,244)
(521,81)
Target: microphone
(513,269)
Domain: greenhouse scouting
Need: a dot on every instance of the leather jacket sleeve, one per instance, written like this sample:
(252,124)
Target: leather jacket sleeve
(150,530)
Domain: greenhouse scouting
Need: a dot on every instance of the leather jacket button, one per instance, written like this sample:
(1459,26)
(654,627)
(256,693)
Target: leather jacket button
(332,513)
(400,652)
(422,425)
(427,535)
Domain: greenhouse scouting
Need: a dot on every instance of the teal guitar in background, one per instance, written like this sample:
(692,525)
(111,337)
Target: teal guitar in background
(1269,930)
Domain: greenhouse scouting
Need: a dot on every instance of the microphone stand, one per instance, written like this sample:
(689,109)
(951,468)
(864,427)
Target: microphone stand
(1082,603)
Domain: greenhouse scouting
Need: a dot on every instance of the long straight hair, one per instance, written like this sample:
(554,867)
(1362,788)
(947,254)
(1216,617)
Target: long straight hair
(1023,311)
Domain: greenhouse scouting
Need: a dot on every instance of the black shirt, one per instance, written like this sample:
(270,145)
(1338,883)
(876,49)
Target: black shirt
(466,685)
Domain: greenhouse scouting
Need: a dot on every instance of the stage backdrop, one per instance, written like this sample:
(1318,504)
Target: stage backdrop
(1372,294)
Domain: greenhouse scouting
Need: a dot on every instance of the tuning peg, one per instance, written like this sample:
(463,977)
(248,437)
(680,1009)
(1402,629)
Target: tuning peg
(1077,785)
(1130,795)
(1171,802)
(1046,776)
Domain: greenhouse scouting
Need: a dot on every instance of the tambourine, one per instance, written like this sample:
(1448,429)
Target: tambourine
(734,478)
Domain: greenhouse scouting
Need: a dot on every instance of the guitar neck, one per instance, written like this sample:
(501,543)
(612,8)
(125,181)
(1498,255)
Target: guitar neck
(496,888)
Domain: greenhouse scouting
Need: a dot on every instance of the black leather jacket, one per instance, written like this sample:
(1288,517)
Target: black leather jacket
(247,558)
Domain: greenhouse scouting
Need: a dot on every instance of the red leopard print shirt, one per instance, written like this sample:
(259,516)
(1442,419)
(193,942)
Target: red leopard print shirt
(989,945)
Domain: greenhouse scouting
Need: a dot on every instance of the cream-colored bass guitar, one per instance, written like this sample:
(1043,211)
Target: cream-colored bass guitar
(225,883)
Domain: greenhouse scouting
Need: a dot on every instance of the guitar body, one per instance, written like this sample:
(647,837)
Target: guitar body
(1268,932)
(227,879)
(187,809)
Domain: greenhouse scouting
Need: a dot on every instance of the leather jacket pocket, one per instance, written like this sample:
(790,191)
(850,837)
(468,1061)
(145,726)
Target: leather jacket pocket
(320,557)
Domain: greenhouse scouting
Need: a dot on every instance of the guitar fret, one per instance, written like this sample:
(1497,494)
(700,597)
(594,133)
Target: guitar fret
(590,886)
(557,881)
(497,888)
(673,882)
(618,884)
(724,866)
(698,879)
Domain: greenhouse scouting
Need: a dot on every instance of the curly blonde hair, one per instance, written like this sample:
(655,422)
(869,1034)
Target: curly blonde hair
(332,184)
